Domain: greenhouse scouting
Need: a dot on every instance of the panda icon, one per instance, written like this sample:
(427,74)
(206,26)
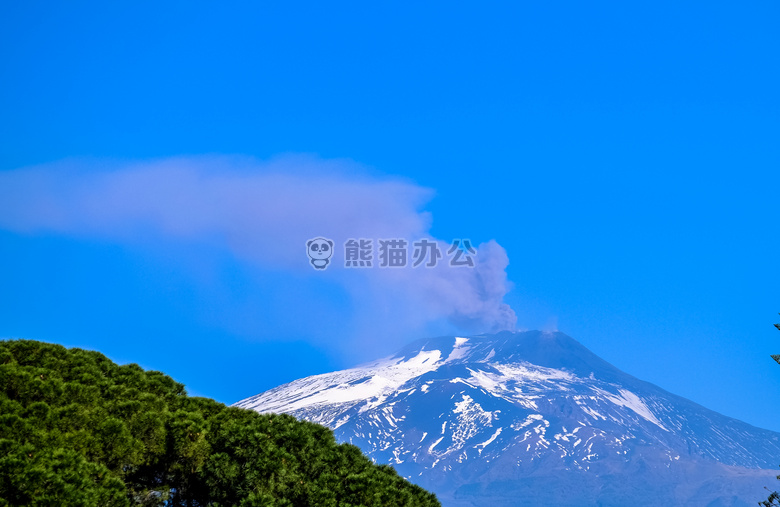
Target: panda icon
(319,251)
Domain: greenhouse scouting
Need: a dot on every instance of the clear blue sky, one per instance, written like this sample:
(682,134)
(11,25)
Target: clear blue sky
(625,156)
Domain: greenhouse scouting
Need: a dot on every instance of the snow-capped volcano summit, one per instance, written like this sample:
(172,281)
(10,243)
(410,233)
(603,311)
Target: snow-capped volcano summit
(532,417)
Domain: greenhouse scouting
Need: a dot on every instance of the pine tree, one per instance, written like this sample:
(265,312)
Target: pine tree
(774,497)
(776,357)
(78,430)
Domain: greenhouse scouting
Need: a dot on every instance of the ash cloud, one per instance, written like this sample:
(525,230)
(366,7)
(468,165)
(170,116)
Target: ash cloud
(263,212)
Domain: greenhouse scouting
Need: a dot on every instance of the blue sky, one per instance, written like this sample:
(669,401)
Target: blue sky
(623,158)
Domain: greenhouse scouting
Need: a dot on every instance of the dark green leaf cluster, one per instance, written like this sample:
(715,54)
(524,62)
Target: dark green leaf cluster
(78,430)
(772,501)
(774,498)
(776,357)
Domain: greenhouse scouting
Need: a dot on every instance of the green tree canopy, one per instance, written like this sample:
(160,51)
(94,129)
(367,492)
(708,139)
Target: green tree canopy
(776,357)
(774,498)
(79,430)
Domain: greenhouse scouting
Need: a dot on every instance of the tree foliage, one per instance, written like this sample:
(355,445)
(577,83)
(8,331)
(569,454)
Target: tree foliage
(774,497)
(776,357)
(78,430)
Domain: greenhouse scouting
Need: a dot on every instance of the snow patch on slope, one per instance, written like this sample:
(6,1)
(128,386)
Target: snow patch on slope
(481,447)
(373,381)
(460,350)
(632,401)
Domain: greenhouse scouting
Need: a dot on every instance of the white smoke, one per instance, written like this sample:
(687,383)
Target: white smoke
(263,212)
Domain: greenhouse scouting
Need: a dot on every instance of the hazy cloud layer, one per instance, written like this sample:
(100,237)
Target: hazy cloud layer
(264,212)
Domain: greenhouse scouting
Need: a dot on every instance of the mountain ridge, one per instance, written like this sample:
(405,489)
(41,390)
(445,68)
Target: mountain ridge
(504,408)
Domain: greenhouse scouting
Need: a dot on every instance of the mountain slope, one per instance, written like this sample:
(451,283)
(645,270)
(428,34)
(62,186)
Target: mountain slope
(535,417)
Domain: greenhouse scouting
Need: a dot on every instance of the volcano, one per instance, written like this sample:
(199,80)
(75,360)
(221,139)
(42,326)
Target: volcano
(533,418)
